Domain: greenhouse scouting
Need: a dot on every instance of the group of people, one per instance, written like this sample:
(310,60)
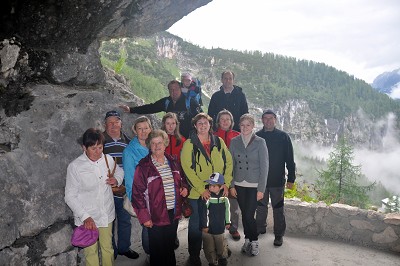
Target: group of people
(222,169)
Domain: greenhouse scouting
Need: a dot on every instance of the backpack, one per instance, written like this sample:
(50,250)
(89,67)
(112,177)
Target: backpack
(187,102)
(196,153)
(194,91)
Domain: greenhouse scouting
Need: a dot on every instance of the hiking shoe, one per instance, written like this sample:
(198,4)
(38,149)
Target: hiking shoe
(195,260)
(245,246)
(253,248)
(235,235)
(222,262)
(130,254)
(278,241)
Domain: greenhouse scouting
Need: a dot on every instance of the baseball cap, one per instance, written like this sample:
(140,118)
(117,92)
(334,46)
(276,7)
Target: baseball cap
(113,113)
(268,111)
(216,179)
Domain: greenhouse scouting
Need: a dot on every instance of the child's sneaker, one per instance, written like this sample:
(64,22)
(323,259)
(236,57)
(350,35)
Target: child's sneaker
(254,248)
(246,245)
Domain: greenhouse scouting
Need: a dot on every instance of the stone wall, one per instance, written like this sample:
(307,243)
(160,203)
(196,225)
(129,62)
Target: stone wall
(345,223)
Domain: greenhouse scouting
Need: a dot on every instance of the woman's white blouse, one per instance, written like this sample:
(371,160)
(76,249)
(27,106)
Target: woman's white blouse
(86,191)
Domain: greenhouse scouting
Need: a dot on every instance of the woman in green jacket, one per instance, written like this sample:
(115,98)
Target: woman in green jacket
(203,154)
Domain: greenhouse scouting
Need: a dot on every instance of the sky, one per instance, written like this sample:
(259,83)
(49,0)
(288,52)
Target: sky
(360,37)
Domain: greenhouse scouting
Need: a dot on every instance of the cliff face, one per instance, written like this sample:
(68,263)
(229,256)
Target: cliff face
(52,88)
(65,34)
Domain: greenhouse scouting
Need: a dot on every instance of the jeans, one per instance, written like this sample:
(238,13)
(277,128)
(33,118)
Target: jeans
(194,232)
(247,199)
(277,201)
(124,227)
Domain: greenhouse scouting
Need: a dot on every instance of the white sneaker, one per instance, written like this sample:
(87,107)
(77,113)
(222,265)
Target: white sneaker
(245,246)
(254,248)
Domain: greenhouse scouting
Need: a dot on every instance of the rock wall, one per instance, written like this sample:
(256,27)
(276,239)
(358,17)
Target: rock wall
(343,222)
(64,35)
(35,223)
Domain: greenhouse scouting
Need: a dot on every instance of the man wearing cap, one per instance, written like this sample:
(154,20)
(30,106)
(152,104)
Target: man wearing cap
(280,152)
(176,103)
(214,218)
(229,97)
(114,144)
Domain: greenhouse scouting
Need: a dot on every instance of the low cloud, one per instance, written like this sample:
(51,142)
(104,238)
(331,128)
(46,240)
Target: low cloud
(380,165)
(395,94)
(383,164)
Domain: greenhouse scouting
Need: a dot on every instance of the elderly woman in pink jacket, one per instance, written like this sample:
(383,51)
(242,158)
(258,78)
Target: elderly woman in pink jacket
(157,195)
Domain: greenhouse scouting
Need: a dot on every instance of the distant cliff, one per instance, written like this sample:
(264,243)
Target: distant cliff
(389,83)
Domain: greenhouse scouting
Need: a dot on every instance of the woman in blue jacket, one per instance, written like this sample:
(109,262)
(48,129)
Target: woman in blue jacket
(133,153)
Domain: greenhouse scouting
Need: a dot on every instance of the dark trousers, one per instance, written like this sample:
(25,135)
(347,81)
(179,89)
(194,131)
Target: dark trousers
(277,201)
(247,199)
(124,227)
(161,242)
(194,233)
(145,239)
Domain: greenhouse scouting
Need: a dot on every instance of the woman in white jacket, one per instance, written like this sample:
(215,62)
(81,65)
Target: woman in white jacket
(88,192)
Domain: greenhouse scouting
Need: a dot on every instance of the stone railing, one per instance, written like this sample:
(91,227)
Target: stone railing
(343,222)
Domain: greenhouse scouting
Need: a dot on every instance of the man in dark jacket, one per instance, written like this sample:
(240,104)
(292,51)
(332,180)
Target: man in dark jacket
(176,102)
(280,151)
(114,145)
(229,97)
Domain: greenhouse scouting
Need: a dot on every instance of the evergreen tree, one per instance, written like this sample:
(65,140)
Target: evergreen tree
(339,183)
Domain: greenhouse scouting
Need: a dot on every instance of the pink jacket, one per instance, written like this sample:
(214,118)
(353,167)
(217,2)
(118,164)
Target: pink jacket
(148,197)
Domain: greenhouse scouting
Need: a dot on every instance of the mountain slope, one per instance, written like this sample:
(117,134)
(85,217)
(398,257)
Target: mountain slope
(314,101)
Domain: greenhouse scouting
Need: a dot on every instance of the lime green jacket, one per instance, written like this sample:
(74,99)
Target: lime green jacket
(198,166)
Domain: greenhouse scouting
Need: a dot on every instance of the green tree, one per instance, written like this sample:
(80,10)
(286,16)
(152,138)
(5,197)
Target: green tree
(339,182)
(121,61)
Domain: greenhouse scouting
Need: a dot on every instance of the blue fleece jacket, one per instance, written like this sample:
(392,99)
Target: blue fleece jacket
(131,156)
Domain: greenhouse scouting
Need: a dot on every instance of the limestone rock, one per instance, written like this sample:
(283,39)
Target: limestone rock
(58,242)
(343,209)
(32,191)
(68,258)
(63,32)
(392,218)
(387,236)
(9,55)
(359,224)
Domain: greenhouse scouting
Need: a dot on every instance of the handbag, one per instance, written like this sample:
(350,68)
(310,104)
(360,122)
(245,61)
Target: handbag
(128,206)
(82,237)
(187,209)
(118,191)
